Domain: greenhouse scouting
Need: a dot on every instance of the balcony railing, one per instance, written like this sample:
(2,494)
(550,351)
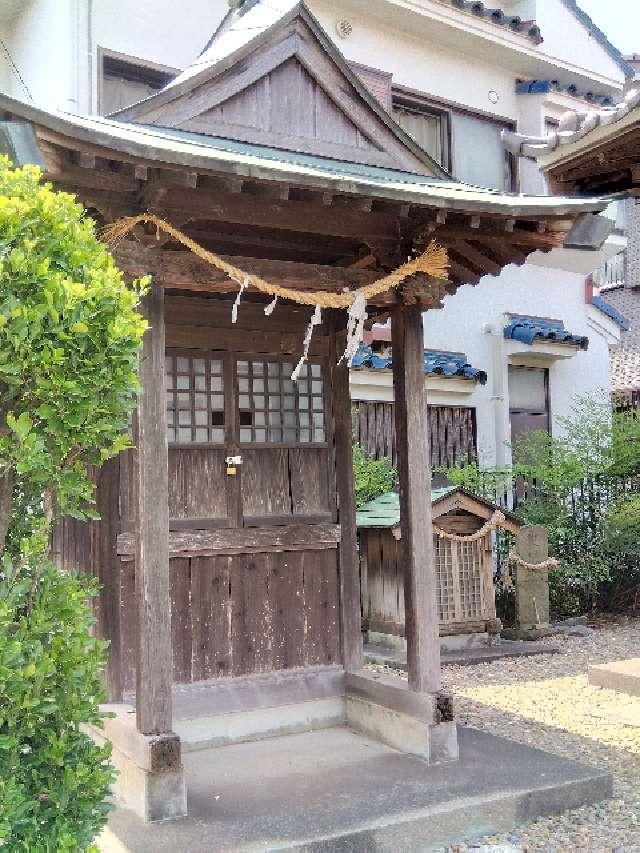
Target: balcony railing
(611,273)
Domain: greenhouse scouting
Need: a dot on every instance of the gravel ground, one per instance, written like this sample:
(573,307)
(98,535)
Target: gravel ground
(545,701)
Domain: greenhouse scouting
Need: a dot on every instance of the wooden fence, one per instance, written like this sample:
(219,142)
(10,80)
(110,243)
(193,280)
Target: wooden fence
(452,432)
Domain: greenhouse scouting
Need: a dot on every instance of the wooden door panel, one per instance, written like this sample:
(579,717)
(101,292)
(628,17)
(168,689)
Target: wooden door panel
(266,498)
(197,487)
(309,475)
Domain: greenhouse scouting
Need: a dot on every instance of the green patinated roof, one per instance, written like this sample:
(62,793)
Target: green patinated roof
(197,151)
(384,511)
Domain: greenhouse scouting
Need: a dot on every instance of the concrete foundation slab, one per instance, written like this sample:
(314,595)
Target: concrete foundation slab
(622,675)
(335,790)
(384,656)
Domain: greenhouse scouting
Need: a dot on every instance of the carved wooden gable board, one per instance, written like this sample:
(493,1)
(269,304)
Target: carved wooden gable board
(286,90)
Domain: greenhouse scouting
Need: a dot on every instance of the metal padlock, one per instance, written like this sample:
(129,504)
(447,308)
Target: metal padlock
(232,465)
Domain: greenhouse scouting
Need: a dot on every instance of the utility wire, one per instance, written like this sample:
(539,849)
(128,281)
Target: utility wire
(15,69)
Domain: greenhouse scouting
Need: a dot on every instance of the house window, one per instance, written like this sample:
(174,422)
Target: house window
(195,399)
(528,400)
(275,410)
(478,155)
(125,80)
(465,143)
(430,131)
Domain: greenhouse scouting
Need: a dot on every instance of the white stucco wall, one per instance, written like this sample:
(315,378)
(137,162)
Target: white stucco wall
(423,65)
(54,43)
(532,290)
(472,321)
(570,41)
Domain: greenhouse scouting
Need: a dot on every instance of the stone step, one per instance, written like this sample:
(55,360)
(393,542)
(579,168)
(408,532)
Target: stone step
(335,790)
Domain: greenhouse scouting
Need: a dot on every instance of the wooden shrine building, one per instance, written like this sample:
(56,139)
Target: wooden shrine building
(227,542)
(463,526)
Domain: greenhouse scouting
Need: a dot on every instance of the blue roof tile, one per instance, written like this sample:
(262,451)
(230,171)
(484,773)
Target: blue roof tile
(611,312)
(538,87)
(436,363)
(527,330)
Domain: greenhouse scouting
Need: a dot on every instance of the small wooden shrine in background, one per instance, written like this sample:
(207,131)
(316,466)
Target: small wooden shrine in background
(226,547)
(464,569)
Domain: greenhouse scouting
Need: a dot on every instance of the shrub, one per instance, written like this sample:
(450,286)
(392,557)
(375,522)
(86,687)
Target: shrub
(577,481)
(621,548)
(53,778)
(372,477)
(70,337)
(69,341)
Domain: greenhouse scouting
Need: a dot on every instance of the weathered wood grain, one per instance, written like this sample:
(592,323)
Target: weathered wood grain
(155,657)
(186,542)
(349,574)
(414,475)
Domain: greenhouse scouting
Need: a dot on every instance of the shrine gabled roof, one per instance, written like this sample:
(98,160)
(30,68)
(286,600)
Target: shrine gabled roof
(195,151)
(271,74)
(384,511)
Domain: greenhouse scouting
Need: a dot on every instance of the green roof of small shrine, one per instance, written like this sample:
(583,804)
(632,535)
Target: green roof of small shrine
(384,511)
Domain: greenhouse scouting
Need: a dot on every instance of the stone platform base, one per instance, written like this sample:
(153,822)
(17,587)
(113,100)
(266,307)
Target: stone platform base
(383,707)
(623,675)
(150,778)
(336,790)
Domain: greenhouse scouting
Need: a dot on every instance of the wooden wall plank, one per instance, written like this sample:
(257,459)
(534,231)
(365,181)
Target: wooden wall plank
(180,591)
(202,617)
(104,562)
(265,483)
(128,624)
(452,433)
(308,471)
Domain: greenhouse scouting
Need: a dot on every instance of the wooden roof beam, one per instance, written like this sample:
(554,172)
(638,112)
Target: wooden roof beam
(489,233)
(185,271)
(298,216)
(476,257)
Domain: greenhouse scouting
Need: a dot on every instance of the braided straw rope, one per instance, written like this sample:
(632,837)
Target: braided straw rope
(495,521)
(433,262)
(513,557)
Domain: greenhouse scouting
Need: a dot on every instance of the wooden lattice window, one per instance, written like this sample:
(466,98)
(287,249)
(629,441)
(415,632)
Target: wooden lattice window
(446,591)
(470,589)
(195,399)
(460,587)
(275,410)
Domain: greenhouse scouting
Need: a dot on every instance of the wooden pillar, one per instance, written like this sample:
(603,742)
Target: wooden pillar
(350,620)
(154,665)
(414,474)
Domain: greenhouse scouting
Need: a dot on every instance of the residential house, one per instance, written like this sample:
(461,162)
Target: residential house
(454,74)
(599,152)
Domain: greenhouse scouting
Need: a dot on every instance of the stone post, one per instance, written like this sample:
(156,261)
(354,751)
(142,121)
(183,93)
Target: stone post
(532,585)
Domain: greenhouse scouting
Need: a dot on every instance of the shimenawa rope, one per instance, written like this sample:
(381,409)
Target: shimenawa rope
(433,262)
(495,521)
